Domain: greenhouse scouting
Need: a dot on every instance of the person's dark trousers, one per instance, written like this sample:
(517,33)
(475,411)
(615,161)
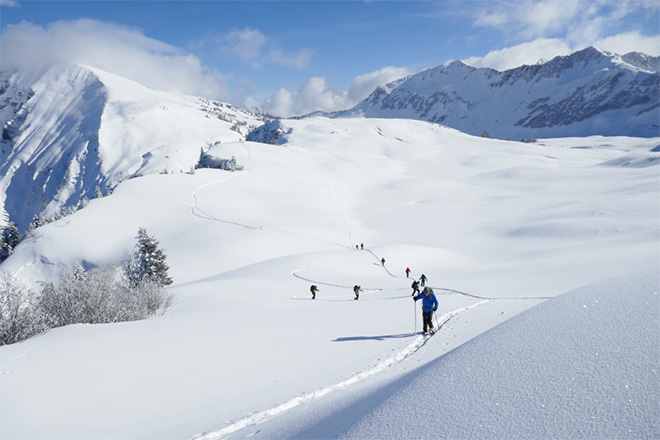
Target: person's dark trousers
(428,320)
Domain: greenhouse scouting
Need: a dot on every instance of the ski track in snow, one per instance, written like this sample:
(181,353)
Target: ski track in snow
(197,211)
(369,289)
(263,416)
(407,351)
(333,168)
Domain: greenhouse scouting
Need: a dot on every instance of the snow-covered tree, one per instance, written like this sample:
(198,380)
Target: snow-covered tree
(71,300)
(147,263)
(37,221)
(20,317)
(99,295)
(9,239)
(232,164)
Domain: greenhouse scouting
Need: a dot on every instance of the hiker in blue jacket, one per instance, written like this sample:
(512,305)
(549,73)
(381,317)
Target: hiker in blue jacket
(429,305)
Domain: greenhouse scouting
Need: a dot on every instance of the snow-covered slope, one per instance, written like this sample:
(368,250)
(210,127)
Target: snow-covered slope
(580,366)
(72,129)
(496,226)
(586,93)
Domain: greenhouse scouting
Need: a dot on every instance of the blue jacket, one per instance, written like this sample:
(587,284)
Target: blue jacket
(429,302)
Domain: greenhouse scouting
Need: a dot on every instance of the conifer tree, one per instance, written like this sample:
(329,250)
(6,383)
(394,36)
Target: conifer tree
(148,262)
(9,239)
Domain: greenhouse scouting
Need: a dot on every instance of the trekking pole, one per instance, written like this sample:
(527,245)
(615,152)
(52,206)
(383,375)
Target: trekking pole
(415,313)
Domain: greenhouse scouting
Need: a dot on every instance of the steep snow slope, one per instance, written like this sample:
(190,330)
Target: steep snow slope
(496,226)
(73,129)
(586,93)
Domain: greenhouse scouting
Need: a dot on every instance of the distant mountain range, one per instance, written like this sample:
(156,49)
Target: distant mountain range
(72,133)
(587,93)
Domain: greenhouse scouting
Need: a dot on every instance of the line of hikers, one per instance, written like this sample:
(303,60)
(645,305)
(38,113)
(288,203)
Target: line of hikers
(356,290)
(429,303)
(429,300)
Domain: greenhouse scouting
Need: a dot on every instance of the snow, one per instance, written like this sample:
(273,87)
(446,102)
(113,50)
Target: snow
(586,93)
(583,365)
(498,228)
(86,128)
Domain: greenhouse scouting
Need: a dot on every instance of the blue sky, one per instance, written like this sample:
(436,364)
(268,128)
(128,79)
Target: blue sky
(299,56)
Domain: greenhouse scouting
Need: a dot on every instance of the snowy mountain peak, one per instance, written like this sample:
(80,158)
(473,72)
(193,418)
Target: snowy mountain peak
(586,93)
(72,133)
(643,61)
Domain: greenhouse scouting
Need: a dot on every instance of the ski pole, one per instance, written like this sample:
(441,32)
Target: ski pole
(415,313)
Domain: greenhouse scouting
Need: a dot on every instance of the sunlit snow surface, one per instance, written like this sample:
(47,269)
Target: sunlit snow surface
(583,365)
(497,227)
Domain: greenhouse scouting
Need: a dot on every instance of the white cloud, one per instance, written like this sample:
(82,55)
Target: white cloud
(544,48)
(547,17)
(311,96)
(255,48)
(115,48)
(280,103)
(630,42)
(555,28)
(9,3)
(529,19)
(298,60)
(363,85)
(317,95)
(525,53)
(486,18)
(246,44)
(580,22)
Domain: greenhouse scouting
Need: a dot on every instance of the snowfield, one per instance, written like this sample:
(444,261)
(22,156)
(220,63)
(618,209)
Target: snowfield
(583,365)
(501,229)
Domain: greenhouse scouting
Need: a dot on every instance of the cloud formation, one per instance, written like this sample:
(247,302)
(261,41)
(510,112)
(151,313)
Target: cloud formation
(317,95)
(525,53)
(550,28)
(255,48)
(630,42)
(111,47)
(580,22)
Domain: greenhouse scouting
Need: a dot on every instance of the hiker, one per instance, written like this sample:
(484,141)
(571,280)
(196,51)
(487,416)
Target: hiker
(356,247)
(407,272)
(356,290)
(429,305)
(313,289)
(382,261)
(362,246)
(415,286)
(422,280)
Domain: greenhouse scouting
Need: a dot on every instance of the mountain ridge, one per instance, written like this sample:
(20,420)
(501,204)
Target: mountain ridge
(589,92)
(72,133)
